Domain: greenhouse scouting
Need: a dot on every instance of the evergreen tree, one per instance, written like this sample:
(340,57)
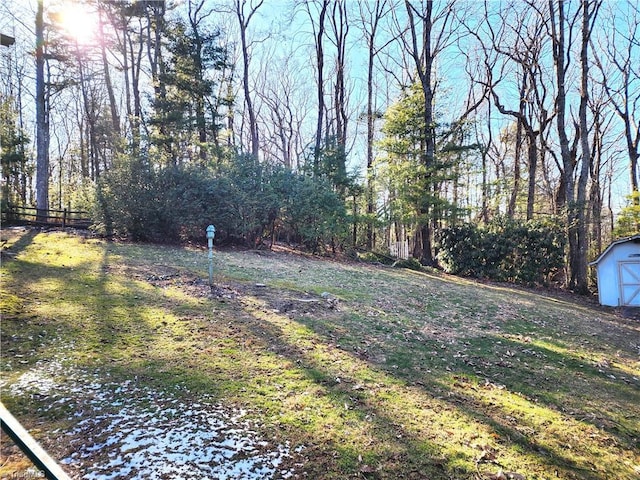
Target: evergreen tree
(418,189)
(186,115)
(628,222)
(13,160)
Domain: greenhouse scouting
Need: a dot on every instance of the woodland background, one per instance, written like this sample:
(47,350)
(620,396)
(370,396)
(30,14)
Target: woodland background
(501,138)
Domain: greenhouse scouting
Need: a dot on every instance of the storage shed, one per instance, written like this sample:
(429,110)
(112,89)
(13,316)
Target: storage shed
(618,270)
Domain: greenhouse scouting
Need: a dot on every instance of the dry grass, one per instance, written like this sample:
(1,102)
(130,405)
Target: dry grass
(377,372)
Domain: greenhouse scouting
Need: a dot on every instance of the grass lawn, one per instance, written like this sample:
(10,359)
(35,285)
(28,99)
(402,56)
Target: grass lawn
(357,370)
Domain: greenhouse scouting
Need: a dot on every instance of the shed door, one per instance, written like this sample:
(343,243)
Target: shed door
(629,283)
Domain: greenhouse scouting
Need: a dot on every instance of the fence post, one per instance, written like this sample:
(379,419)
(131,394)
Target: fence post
(64,218)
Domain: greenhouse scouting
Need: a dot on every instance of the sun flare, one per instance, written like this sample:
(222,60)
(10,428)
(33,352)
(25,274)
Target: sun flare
(78,22)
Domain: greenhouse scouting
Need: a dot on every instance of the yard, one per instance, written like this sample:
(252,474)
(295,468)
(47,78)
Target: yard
(124,364)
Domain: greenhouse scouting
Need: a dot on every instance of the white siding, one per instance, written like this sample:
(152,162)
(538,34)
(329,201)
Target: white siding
(609,291)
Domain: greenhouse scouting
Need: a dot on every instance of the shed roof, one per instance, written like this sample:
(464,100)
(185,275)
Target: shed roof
(633,238)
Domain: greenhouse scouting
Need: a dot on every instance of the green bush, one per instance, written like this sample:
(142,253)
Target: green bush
(243,198)
(460,250)
(505,250)
(410,263)
(314,214)
(126,201)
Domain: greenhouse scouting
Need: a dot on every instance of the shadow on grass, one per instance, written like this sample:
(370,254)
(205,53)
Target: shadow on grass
(563,383)
(111,326)
(563,380)
(367,395)
(352,397)
(410,448)
(553,454)
(78,309)
(19,245)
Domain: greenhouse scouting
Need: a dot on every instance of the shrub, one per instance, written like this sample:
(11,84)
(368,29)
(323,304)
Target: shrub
(410,263)
(314,213)
(126,202)
(460,250)
(506,250)
(243,198)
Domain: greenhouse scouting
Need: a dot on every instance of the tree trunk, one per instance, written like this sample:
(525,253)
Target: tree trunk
(511,208)
(423,59)
(632,149)
(136,116)
(115,119)
(568,157)
(618,79)
(42,126)
(155,30)
(340,26)
(370,35)
(90,118)
(595,190)
(125,69)
(23,157)
(320,93)
(533,167)
(580,277)
(370,132)
(243,22)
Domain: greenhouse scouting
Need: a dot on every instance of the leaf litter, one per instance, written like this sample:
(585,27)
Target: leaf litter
(449,330)
(121,430)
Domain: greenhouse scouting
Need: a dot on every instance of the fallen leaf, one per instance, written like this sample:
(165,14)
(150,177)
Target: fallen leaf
(486,456)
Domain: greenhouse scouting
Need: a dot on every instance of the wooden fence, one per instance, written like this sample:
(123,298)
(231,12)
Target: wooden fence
(14,214)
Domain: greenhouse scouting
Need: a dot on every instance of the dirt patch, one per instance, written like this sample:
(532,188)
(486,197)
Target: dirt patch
(632,313)
(275,299)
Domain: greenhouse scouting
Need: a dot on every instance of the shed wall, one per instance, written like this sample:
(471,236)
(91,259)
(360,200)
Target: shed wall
(608,279)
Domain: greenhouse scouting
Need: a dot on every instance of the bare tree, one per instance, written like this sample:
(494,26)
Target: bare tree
(42,122)
(579,278)
(286,108)
(558,26)
(525,49)
(602,156)
(154,33)
(512,50)
(244,18)
(128,29)
(620,77)
(426,35)
(340,29)
(318,34)
(562,24)
(115,117)
(371,16)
